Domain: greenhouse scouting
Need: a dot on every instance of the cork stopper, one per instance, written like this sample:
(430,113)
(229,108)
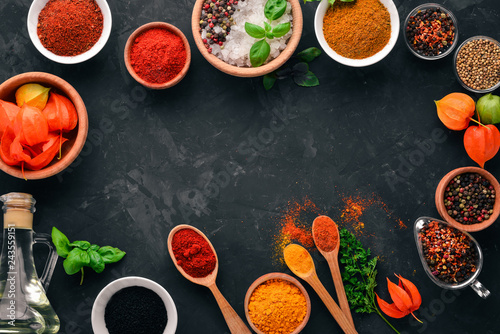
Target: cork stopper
(18,210)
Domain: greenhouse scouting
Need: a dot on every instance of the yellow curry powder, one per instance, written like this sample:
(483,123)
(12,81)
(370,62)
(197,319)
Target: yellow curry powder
(277,307)
(298,259)
(357,29)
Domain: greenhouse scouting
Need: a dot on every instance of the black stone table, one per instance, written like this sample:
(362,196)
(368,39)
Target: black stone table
(226,156)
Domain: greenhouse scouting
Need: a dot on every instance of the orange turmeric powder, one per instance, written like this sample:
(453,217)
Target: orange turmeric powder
(298,259)
(357,29)
(277,307)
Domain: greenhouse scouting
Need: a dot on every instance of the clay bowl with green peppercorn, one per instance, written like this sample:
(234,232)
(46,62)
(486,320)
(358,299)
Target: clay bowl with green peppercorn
(468,203)
(477,64)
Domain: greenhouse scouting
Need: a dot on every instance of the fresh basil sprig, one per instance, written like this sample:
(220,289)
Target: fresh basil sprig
(80,254)
(261,49)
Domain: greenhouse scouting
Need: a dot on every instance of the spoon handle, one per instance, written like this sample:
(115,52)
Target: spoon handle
(334,309)
(233,321)
(339,288)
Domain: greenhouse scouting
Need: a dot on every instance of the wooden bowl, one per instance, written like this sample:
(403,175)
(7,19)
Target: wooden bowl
(76,137)
(442,209)
(249,72)
(156,25)
(281,276)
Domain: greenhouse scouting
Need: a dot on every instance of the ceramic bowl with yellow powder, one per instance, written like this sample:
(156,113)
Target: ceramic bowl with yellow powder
(277,303)
(358,33)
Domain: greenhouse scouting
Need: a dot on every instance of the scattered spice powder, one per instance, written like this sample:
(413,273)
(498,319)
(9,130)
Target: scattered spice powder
(193,253)
(277,306)
(326,233)
(298,259)
(69,28)
(357,29)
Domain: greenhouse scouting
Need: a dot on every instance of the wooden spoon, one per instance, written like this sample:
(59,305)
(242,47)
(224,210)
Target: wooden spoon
(312,278)
(331,257)
(234,322)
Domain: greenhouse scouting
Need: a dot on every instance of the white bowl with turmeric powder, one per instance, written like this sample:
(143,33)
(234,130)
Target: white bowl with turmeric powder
(277,303)
(358,33)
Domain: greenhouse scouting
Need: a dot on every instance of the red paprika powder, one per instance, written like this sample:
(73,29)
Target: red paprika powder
(325,233)
(158,55)
(193,253)
(68,27)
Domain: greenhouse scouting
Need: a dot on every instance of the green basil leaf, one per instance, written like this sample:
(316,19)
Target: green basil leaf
(259,53)
(269,35)
(306,80)
(300,68)
(269,80)
(96,261)
(75,261)
(274,9)
(61,242)
(254,30)
(283,72)
(309,54)
(110,254)
(94,247)
(331,2)
(267,27)
(80,244)
(281,29)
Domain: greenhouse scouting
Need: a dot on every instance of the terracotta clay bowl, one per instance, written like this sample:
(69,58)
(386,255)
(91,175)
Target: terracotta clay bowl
(442,209)
(280,276)
(249,72)
(76,137)
(157,25)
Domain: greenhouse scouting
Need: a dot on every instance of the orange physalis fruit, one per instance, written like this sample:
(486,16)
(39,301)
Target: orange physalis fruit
(482,142)
(49,151)
(8,111)
(405,296)
(30,126)
(32,94)
(60,113)
(5,144)
(455,110)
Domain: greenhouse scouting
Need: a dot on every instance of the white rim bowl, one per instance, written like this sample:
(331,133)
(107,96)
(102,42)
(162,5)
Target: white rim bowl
(34,12)
(98,322)
(318,29)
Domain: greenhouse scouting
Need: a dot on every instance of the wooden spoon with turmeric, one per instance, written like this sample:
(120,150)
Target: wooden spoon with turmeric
(233,321)
(300,262)
(327,239)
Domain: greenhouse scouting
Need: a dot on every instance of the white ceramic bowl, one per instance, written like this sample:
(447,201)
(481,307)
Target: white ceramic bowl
(36,8)
(318,29)
(98,323)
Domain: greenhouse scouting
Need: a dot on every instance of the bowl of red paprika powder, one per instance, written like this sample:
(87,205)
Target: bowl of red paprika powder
(157,55)
(69,32)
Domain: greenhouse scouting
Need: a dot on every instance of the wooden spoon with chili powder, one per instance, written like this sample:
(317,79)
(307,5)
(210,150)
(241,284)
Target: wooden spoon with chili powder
(300,262)
(234,322)
(327,239)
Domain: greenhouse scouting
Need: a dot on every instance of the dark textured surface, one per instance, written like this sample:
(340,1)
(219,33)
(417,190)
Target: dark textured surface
(152,154)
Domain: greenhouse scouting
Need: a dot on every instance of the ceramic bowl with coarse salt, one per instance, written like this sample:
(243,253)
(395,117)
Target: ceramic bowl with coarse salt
(32,22)
(242,70)
(322,10)
(76,137)
(104,297)
(131,44)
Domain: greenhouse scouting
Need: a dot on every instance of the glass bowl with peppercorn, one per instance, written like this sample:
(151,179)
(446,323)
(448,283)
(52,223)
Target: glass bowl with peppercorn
(69,32)
(134,305)
(466,198)
(431,31)
(451,258)
(477,64)
(157,55)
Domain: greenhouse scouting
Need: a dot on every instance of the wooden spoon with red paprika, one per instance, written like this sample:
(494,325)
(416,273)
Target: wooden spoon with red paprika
(195,258)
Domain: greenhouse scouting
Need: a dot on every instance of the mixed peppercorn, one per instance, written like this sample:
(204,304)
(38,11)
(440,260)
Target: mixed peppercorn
(216,19)
(431,31)
(469,198)
(449,253)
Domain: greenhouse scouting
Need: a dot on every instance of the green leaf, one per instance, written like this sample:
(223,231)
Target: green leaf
(94,247)
(268,80)
(254,30)
(309,54)
(96,261)
(61,242)
(281,29)
(80,244)
(300,68)
(110,254)
(306,80)
(259,53)
(269,35)
(274,9)
(267,27)
(76,259)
